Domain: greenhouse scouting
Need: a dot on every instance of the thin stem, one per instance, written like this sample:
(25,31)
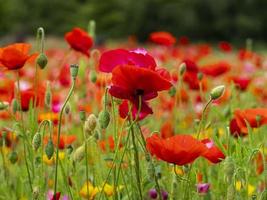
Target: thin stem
(59,130)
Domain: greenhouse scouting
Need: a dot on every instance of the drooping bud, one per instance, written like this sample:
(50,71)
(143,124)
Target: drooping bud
(104,119)
(67,109)
(36,141)
(93,76)
(3,105)
(74,69)
(90,124)
(182,69)
(79,154)
(217,92)
(15,106)
(82,115)
(48,96)
(49,149)
(13,157)
(42,60)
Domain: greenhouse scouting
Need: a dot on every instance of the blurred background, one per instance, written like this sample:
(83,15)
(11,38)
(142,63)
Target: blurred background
(205,20)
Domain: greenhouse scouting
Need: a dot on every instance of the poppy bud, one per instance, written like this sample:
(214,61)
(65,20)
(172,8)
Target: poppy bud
(104,119)
(48,96)
(93,76)
(90,124)
(74,68)
(229,169)
(15,106)
(199,76)
(3,105)
(82,115)
(42,60)
(217,92)
(182,69)
(172,91)
(91,28)
(35,193)
(13,157)
(36,141)
(78,155)
(67,109)
(49,149)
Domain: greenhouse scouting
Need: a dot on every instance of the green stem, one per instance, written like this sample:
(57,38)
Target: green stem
(59,130)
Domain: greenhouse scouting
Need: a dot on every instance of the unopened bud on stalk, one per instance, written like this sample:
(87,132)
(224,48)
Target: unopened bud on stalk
(13,157)
(74,69)
(78,155)
(182,69)
(104,119)
(82,115)
(172,91)
(49,149)
(199,76)
(42,60)
(48,96)
(36,141)
(93,76)
(67,109)
(217,92)
(90,124)
(3,105)
(15,106)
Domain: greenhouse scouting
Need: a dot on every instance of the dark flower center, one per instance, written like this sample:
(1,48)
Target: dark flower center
(139,92)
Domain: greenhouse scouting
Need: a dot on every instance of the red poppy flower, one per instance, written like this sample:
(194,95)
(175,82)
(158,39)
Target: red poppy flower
(56,196)
(64,76)
(167,130)
(79,40)
(139,57)
(255,117)
(225,46)
(28,96)
(216,69)
(64,140)
(214,154)
(110,143)
(183,40)
(15,56)
(179,149)
(241,82)
(162,38)
(130,82)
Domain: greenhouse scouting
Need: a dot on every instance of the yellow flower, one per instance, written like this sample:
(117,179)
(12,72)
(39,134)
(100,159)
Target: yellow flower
(61,156)
(250,188)
(92,191)
(48,116)
(109,189)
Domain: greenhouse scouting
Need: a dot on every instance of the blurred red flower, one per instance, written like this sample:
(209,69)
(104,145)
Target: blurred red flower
(179,149)
(214,154)
(216,69)
(28,96)
(15,56)
(225,46)
(79,40)
(162,38)
(241,82)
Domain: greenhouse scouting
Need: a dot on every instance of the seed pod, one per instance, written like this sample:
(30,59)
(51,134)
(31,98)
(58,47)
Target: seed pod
(74,70)
(48,96)
(90,124)
(104,119)
(36,141)
(42,60)
(78,155)
(182,69)
(49,149)
(13,157)
(217,92)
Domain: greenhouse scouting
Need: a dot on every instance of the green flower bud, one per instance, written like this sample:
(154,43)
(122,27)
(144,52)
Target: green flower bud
(182,69)
(3,105)
(74,69)
(104,119)
(49,149)
(79,154)
(48,96)
(199,76)
(36,141)
(217,92)
(42,60)
(172,91)
(37,160)
(13,157)
(82,115)
(90,124)
(67,109)
(93,76)
(15,106)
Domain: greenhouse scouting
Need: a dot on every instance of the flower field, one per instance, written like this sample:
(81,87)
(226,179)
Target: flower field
(165,119)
